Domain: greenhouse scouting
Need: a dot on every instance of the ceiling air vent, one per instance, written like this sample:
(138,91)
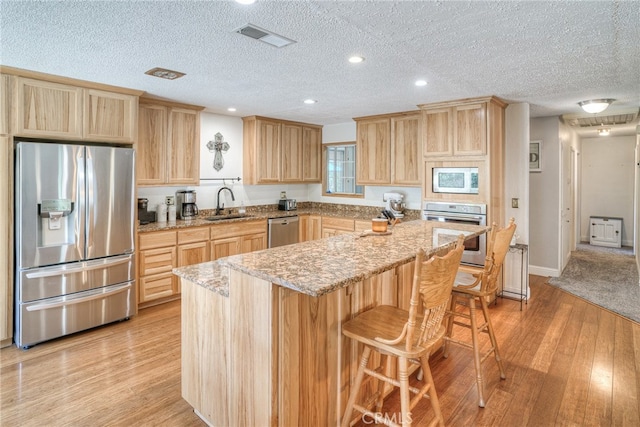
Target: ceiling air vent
(611,118)
(263,35)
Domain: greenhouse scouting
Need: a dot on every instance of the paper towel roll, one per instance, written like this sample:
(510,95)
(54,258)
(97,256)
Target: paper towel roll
(161,212)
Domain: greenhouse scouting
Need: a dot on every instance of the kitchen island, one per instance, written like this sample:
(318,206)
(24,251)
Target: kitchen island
(262,343)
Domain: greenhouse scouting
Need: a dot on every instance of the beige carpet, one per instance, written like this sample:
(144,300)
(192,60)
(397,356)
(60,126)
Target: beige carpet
(607,277)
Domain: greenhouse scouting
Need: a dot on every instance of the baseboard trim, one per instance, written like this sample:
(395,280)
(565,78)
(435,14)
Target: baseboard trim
(544,271)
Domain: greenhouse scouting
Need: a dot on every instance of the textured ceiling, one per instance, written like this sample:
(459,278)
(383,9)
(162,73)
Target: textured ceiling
(549,54)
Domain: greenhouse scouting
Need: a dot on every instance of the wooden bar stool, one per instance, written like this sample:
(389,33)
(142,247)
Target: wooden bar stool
(474,285)
(406,335)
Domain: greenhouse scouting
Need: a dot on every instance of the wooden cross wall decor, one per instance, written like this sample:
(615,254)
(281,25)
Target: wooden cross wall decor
(218,145)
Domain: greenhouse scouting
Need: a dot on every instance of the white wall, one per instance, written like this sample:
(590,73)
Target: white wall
(608,181)
(544,200)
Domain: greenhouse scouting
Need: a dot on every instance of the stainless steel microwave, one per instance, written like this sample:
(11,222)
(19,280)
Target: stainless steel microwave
(455,180)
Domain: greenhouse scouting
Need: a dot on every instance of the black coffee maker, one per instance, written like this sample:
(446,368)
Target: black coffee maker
(186,201)
(144,216)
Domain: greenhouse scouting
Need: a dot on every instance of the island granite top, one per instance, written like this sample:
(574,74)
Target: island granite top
(321,266)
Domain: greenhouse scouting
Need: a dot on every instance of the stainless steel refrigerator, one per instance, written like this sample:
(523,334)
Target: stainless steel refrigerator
(74,238)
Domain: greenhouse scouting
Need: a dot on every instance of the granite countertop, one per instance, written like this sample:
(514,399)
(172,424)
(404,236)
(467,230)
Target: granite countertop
(271,211)
(321,266)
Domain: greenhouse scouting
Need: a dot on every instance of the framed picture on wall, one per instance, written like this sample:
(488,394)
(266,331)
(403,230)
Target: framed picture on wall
(535,156)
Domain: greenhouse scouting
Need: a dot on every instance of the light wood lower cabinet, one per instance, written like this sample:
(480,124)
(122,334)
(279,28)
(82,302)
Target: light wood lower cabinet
(237,238)
(289,361)
(156,259)
(332,226)
(310,227)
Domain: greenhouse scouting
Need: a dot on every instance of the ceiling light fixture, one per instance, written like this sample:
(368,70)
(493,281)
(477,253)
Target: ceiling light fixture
(595,106)
(310,101)
(246,1)
(356,59)
(604,132)
(163,73)
(421,83)
(231,109)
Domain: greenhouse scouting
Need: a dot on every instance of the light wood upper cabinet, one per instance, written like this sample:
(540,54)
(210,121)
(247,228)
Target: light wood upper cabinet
(455,130)
(388,149)
(311,154)
(470,129)
(167,150)
(373,151)
(438,132)
(406,147)
(109,116)
(6,91)
(151,151)
(183,151)
(280,151)
(56,110)
(292,149)
(261,150)
(46,109)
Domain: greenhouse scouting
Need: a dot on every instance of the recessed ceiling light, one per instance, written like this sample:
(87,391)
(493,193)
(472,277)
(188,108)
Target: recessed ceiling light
(356,59)
(231,109)
(604,132)
(246,1)
(163,73)
(421,82)
(310,101)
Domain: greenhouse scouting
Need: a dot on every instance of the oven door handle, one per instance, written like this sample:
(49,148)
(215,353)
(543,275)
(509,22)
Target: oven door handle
(479,218)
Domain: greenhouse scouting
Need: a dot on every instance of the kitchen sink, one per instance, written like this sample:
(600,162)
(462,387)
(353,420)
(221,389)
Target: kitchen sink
(222,217)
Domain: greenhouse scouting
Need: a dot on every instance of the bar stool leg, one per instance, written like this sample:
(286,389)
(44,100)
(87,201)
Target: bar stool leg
(450,318)
(405,398)
(355,388)
(433,396)
(492,336)
(476,351)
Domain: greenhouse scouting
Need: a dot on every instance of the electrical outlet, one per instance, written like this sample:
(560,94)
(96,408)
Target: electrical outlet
(169,200)
(514,203)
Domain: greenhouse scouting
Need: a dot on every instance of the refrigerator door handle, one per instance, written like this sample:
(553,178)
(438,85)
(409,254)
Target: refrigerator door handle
(86,266)
(65,301)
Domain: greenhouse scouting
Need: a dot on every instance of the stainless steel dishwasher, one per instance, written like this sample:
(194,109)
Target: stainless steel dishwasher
(283,231)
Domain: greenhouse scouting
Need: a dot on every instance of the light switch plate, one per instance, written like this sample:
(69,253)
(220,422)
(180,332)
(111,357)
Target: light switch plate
(514,203)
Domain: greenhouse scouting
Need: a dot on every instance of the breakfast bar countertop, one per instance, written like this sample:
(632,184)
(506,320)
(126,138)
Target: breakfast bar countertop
(321,266)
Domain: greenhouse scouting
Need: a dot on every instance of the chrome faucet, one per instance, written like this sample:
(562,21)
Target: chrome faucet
(218,207)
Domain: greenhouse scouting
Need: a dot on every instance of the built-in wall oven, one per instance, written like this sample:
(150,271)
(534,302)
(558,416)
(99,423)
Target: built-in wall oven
(475,249)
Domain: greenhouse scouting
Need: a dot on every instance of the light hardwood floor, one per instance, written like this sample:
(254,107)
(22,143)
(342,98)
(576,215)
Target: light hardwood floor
(568,362)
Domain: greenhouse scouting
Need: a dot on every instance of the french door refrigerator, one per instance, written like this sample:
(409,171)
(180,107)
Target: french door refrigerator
(74,238)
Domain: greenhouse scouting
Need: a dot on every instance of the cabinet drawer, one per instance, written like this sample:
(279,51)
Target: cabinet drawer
(362,225)
(192,235)
(157,286)
(220,231)
(155,261)
(346,224)
(156,239)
